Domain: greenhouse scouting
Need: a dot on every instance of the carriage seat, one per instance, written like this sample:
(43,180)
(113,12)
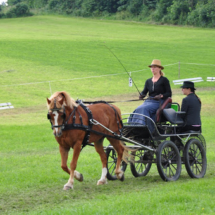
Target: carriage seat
(166,104)
(174,117)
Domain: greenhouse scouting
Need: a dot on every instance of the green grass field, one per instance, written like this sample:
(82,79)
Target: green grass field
(44,54)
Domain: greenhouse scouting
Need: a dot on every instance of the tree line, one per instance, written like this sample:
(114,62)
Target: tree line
(177,12)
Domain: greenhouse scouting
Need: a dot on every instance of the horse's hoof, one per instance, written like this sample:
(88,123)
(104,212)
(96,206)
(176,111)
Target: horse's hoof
(81,178)
(102,182)
(78,176)
(122,178)
(67,187)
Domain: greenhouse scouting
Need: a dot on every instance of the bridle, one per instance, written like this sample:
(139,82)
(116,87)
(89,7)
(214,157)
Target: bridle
(59,111)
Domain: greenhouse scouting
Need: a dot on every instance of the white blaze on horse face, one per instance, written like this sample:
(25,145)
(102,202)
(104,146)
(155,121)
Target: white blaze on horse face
(56,119)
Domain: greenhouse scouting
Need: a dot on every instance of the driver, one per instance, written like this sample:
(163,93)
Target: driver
(159,90)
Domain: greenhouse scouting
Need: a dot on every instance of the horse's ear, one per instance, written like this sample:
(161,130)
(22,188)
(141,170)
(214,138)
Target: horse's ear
(48,101)
(61,101)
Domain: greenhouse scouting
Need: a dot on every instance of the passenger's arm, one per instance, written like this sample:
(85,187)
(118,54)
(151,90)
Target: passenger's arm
(184,105)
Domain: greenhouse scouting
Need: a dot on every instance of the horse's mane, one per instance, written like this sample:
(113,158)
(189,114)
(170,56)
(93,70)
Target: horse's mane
(68,101)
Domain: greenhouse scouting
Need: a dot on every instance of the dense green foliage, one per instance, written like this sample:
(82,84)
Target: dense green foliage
(19,9)
(186,12)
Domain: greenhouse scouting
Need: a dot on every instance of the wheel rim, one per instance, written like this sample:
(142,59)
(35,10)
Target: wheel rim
(195,159)
(169,161)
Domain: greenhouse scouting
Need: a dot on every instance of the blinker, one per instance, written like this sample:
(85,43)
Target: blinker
(48,116)
(64,116)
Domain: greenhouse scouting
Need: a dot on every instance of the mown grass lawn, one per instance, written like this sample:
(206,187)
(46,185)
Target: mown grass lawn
(43,54)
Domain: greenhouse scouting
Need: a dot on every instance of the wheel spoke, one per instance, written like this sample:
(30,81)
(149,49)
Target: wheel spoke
(112,169)
(174,167)
(111,164)
(199,161)
(197,168)
(141,168)
(137,166)
(170,171)
(165,152)
(199,154)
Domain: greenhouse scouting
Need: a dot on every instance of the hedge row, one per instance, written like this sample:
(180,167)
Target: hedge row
(186,12)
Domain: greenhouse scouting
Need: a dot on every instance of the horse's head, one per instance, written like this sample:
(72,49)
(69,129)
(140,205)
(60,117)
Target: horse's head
(58,105)
(56,115)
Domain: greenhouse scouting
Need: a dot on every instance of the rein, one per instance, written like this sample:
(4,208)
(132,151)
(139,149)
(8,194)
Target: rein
(101,101)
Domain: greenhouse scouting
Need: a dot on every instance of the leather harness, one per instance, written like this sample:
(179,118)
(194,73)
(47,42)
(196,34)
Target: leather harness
(88,128)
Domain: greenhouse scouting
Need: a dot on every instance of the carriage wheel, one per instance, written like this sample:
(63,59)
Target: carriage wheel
(140,165)
(168,161)
(111,164)
(195,159)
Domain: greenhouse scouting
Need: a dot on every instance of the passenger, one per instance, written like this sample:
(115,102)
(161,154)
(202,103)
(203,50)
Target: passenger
(159,90)
(191,104)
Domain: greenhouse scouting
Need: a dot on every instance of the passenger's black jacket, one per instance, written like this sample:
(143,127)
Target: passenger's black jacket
(162,86)
(192,106)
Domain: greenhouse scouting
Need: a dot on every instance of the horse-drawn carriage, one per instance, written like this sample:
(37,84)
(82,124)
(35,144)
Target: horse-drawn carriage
(165,146)
(76,125)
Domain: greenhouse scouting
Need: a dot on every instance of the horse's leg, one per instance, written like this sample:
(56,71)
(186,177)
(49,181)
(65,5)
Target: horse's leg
(119,149)
(99,148)
(73,173)
(64,156)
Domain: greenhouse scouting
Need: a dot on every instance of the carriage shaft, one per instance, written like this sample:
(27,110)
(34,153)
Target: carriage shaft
(95,122)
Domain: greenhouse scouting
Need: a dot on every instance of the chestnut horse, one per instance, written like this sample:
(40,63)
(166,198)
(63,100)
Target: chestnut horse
(64,111)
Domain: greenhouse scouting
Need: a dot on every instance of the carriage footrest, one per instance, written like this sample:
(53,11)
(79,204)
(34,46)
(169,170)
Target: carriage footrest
(136,131)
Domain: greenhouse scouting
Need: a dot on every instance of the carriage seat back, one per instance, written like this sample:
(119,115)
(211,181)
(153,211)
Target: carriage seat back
(166,104)
(172,116)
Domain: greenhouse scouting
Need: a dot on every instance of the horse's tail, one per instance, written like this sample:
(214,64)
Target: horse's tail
(126,156)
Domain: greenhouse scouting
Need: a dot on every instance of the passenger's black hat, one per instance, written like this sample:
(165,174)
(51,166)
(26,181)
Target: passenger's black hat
(188,84)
